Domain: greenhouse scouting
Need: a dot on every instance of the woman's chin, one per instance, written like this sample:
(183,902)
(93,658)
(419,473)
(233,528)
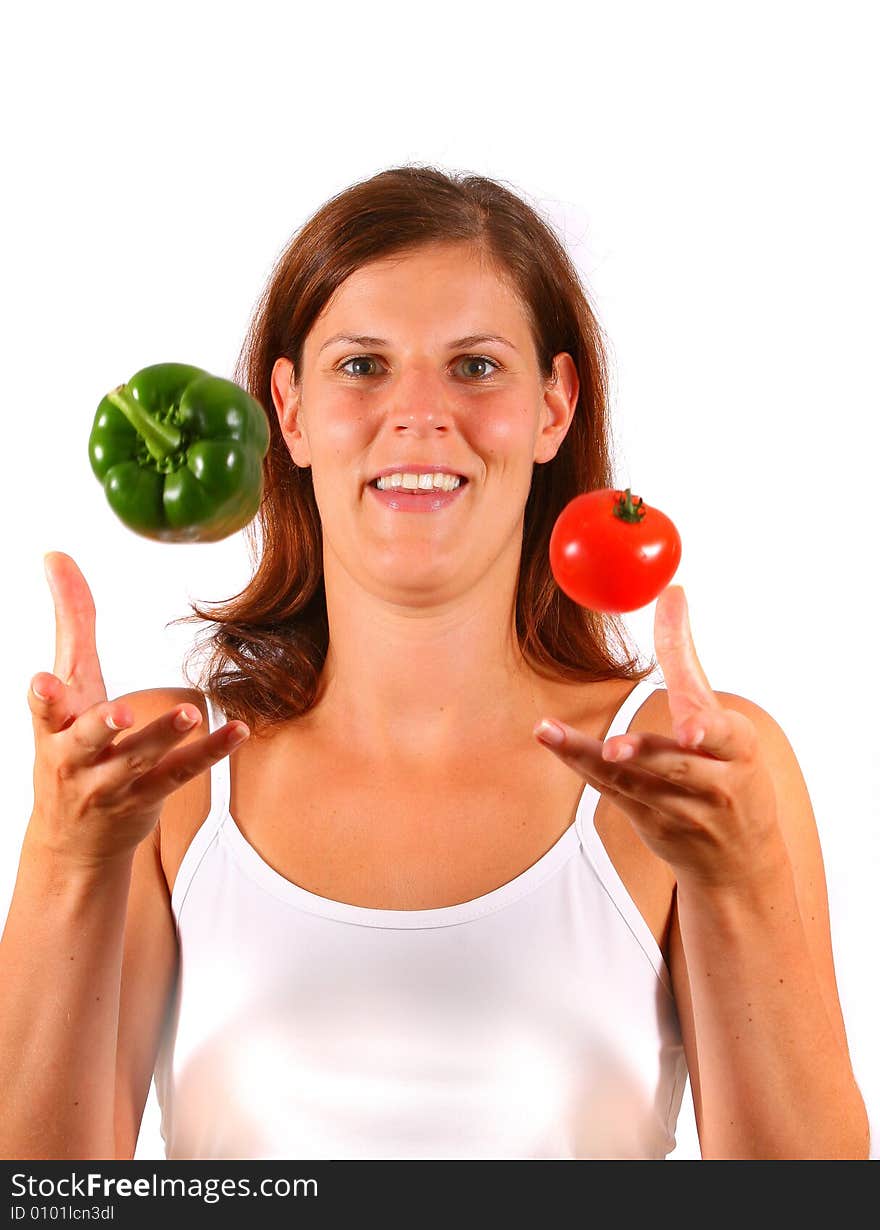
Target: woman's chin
(411,580)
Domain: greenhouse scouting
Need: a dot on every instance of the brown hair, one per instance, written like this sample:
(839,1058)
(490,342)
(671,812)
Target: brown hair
(270,641)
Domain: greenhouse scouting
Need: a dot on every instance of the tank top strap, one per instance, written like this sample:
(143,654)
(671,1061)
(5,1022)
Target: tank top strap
(591,843)
(633,702)
(217,812)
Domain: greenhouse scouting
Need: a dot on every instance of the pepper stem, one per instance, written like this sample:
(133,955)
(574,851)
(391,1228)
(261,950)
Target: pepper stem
(161,439)
(626,510)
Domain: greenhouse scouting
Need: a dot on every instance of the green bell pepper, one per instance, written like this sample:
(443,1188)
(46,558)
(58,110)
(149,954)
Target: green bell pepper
(180,453)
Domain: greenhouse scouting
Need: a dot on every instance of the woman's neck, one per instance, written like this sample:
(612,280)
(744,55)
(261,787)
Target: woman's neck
(415,682)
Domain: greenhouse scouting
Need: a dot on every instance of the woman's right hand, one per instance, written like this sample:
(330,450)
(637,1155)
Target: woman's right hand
(95,800)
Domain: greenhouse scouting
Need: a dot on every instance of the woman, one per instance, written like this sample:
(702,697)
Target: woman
(399,920)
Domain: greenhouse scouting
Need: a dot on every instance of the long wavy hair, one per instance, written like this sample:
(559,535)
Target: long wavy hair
(267,645)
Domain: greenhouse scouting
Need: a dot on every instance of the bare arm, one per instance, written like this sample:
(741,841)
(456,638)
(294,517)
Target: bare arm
(97,803)
(754,978)
(714,789)
(60,966)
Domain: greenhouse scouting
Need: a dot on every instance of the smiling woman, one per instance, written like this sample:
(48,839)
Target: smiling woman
(477,325)
(406,917)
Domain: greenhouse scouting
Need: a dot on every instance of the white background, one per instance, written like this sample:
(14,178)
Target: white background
(712,170)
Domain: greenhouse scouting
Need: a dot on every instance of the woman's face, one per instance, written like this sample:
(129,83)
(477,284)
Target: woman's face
(422,387)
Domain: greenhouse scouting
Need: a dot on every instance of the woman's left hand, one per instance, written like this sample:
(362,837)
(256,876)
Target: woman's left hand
(704,801)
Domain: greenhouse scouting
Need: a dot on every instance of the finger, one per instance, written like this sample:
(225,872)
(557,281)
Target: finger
(674,643)
(90,733)
(48,703)
(117,767)
(94,731)
(722,733)
(690,694)
(138,753)
(182,765)
(695,765)
(638,786)
(76,654)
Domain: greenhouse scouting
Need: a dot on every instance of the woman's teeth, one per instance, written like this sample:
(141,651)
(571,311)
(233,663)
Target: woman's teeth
(419,482)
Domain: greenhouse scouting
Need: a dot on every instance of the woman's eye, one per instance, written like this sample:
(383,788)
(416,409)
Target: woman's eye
(362,358)
(476,358)
(367,359)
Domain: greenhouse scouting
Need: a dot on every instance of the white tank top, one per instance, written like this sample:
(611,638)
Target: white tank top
(535,1021)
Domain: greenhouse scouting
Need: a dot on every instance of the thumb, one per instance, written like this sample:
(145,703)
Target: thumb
(76,653)
(690,695)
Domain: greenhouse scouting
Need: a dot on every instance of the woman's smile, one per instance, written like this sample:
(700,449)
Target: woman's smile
(417,499)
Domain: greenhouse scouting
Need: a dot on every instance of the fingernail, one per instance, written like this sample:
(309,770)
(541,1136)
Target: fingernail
(549,732)
(697,738)
(622,752)
(110,722)
(184,720)
(39,694)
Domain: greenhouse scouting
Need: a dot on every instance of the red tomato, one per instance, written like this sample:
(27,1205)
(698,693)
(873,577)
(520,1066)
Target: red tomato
(611,552)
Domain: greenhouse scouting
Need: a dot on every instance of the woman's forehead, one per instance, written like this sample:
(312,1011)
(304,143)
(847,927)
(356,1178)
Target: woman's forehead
(456,260)
(441,287)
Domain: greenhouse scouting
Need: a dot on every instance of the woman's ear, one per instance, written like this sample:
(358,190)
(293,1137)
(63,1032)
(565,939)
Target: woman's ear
(560,399)
(287,399)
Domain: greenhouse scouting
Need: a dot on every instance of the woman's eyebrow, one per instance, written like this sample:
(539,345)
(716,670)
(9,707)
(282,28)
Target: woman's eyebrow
(360,339)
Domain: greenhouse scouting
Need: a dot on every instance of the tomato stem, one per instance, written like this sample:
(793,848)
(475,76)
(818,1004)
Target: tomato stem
(626,510)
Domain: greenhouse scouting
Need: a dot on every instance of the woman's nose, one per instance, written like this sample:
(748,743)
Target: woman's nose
(417,422)
(418,399)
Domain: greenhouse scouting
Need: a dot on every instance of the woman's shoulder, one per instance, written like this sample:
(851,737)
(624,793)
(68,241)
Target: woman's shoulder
(653,713)
(186,808)
(149,703)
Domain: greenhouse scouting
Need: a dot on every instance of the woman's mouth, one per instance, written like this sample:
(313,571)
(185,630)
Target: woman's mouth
(407,497)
